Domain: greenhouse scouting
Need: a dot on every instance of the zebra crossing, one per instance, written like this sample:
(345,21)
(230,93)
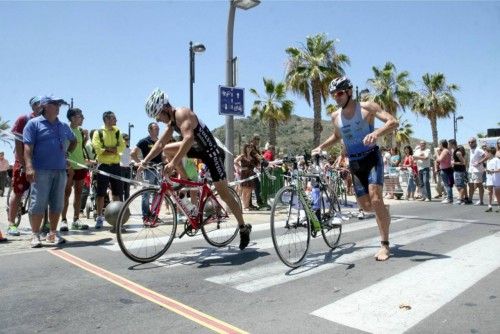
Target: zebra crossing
(426,286)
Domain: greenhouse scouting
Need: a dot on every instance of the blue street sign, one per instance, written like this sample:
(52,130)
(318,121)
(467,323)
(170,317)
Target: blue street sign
(231,101)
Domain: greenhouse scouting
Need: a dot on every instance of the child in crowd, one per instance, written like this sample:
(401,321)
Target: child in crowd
(493,178)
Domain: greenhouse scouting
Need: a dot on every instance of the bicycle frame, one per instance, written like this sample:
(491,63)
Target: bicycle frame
(304,199)
(167,188)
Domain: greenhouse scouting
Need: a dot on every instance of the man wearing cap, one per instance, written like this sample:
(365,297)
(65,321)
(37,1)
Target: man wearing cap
(108,144)
(76,172)
(45,146)
(19,183)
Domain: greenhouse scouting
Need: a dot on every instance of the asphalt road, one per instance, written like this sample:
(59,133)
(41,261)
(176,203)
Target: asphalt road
(442,278)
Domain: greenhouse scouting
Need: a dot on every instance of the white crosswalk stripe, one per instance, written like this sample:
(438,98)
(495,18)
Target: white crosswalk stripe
(265,276)
(375,309)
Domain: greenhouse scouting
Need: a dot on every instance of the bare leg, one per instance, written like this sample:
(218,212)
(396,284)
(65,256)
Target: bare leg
(99,205)
(77,200)
(471,191)
(67,192)
(36,221)
(383,219)
(481,192)
(13,206)
(222,189)
(53,220)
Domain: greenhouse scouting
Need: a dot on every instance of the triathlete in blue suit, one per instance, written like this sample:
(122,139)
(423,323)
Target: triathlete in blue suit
(354,123)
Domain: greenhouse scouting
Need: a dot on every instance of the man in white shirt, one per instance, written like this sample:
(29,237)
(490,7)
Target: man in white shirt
(476,170)
(422,156)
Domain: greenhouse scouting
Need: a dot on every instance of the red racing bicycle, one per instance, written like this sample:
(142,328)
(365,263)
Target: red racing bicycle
(147,222)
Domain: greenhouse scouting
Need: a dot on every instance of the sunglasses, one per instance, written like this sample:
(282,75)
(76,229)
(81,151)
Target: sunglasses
(339,93)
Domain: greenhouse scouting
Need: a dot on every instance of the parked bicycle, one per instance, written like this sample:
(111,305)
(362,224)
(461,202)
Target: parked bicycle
(147,222)
(23,208)
(295,217)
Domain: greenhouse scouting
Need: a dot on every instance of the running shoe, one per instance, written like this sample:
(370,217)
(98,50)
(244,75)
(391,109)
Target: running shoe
(13,231)
(54,238)
(77,225)
(490,209)
(478,203)
(99,222)
(361,214)
(64,226)
(245,235)
(35,241)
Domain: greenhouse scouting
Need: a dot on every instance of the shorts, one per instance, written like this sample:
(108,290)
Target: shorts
(367,170)
(79,174)
(19,182)
(476,177)
(48,189)
(460,179)
(213,158)
(103,181)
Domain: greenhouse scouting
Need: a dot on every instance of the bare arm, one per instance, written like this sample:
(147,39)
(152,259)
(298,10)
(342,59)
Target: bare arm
(135,154)
(158,146)
(28,160)
(20,151)
(335,137)
(72,145)
(375,111)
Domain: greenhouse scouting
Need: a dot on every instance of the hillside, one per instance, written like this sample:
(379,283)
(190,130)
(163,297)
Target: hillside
(293,137)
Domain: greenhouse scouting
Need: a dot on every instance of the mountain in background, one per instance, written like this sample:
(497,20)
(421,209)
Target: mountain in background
(293,137)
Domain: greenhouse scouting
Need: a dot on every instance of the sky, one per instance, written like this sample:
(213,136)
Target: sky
(111,55)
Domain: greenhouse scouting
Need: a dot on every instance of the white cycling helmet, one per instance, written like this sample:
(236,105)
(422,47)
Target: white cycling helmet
(155,103)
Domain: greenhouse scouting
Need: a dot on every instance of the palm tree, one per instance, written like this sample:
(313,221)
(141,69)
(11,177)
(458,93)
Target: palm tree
(403,133)
(4,126)
(392,90)
(435,100)
(331,108)
(273,107)
(311,68)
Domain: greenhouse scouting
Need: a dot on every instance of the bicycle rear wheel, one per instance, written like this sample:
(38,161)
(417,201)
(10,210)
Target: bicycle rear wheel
(219,227)
(290,227)
(331,219)
(147,236)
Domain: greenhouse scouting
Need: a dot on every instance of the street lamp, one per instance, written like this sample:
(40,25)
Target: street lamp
(130,126)
(455,124)
(233,4)
(196,48)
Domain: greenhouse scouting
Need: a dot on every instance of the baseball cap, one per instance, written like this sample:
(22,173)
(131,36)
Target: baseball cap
(50,99)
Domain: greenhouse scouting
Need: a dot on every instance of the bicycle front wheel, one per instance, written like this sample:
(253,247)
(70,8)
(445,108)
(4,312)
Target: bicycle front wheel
(219,227)
(331,219)
(290,227)
(142,235)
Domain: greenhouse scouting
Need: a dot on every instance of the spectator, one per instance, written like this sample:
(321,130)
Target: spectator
(476,171)
(76,173)
(459,171)
(446,170)
(19,183)
(4,167)
(247,163)
(342,165)
(436,173)
(125,161)
(269,152)
(45,139)
(255,143)
(422,157)
(493,178)
(108,144)
(411,167)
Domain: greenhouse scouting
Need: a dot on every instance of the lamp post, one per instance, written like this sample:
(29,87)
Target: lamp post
(233,4)
(455,124)
(196,48)
(130,126)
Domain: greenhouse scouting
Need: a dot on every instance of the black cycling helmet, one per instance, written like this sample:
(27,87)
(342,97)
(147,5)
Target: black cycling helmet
(340,83)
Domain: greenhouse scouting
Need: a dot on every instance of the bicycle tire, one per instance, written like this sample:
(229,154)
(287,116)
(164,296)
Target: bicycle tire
(22,207)
(134,242)
(331,219)
(219,237)
(290,227)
